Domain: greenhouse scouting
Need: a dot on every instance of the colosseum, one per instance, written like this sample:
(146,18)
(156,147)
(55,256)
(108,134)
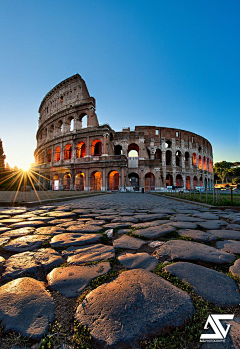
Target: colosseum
(74,152)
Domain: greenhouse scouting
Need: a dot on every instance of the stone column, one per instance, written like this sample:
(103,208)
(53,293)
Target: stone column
(88,150)
(87,183)
(103,173)
(105,138)
(122,184)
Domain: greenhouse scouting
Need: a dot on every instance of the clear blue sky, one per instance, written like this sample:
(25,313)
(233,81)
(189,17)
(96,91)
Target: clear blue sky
(172,63)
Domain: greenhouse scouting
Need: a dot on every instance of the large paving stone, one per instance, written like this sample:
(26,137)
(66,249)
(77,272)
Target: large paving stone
(31,262)
(232,226)
(117,225)
(50,230)
(155,232)
(4,229)
(74,239)
(90,253)
(26,307)
(151,217)
(136,305)
(26,224)
(184,218)
(192,251)
(14,212)
(150,224)
(226,234)
(211,285)
(184,225)
(128,242)
(235,268)
(60,214)
(26,243)
(138,261)
(70,281)
(80,228)
(4,240)
(206,215)
(19,232)
(211,224)
(229,246)
(198,235)
(125,219)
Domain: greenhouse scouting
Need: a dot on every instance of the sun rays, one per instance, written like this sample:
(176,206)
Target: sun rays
(24,179)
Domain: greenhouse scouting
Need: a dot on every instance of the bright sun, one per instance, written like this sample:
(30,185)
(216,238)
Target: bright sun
(25,167)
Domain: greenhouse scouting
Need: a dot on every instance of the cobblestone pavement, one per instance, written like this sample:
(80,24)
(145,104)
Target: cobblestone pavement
(120,253)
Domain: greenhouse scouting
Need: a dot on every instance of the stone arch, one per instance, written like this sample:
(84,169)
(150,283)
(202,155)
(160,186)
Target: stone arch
(179,181)
(188,183)
(96,181)
(194,159)
(178,158)
(204,163)
(117,149)
(57,155)
(187,158)
(168,144)
(169,180)
(67,181)
(200,162)
(200,181)
(195,182)
(83,120)
(113,180)
(51,131)
(56,182)
(96,148)
(80,181)
(49,155)
(81,150)
(59,127)
(68,152)
(168,157)
(149,181)
(133,150)
(158,155)
(134,180)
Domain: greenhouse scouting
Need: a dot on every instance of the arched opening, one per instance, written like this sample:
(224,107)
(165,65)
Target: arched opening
(133,150)
(149,181)
(188,183)
(149,153)
(200,162)
(80,181)
(204,163)
(117,149)
(96,148)
(158,155)
(207,164)
(68,152)
(169,180)
(72,125)
(168,144)
(51,131)
(168,157)
(49,155)
(200,181)
(83,120)
(195,182)
(187,158)
(56,182)
(178,158)
(96,181)
(194,158)
(179,181)
(66,181)
(57,154)
(113,180)
(81,150)
(205,183)
(59,127)
(134,181)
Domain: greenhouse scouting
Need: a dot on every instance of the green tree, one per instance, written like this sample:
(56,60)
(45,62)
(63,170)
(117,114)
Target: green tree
(223,169)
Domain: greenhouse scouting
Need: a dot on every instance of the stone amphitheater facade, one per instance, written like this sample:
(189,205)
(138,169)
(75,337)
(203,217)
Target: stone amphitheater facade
(74,152)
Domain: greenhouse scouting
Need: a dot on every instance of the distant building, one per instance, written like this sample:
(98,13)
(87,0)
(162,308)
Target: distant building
(74,152)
